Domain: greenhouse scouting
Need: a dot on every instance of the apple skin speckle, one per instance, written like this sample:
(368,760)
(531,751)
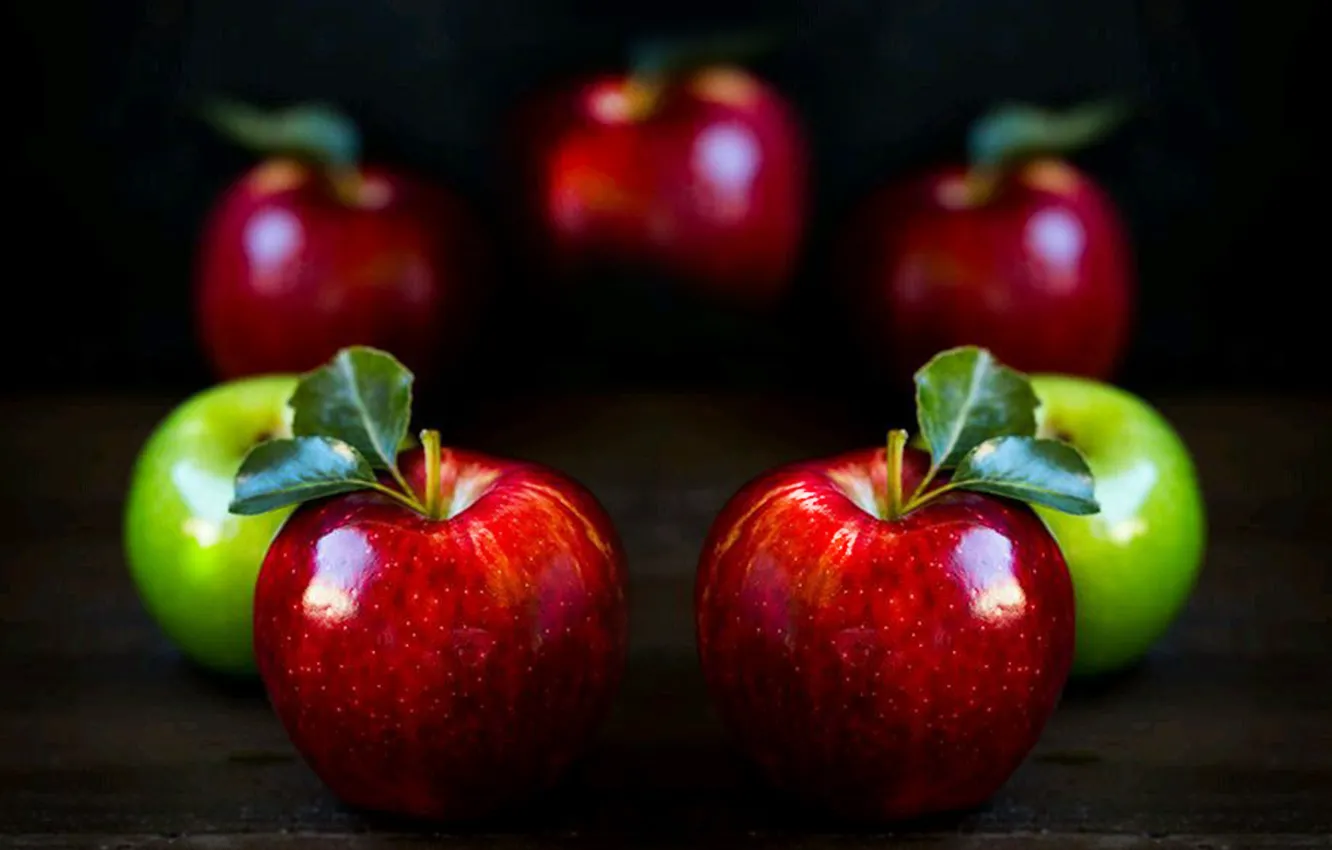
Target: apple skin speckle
(884,670)
(444,669)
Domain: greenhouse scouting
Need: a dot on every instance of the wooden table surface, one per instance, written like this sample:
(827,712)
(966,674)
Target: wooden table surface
(1223,739)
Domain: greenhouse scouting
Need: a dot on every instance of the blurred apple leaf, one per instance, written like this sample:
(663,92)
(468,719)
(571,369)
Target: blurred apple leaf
(964,397)
(277,473)
(1015,131)
(1038,471)
(363,397)
(669,56)
(315,131)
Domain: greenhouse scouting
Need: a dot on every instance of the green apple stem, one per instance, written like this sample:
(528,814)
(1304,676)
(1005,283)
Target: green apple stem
(434,497)
(892,508)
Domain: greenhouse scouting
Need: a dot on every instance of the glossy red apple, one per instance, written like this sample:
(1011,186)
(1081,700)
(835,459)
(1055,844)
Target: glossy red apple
(311,251)
(887,657)
(442,643)
(699,178)
(1020,253)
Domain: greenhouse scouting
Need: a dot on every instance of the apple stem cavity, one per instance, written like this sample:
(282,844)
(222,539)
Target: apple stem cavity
(656,63)
(978,419)
(1013,133)
(314,133)
(349,424)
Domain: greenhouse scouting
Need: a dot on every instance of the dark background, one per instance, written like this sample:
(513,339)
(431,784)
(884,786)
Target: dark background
(1216,176)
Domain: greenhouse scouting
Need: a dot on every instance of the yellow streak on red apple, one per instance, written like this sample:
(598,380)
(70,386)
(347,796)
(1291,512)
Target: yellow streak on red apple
(1052,176)
(278,175)
(741,524)
(727,86)
(570,513)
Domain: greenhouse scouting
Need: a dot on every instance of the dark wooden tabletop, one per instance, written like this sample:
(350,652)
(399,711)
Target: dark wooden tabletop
(1222,739)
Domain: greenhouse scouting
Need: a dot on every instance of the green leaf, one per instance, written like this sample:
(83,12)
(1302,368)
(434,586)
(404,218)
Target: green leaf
(964,397)
(1015,131)
(363,396)
(1042,472)
(277,473)
(312,131)
(674,55)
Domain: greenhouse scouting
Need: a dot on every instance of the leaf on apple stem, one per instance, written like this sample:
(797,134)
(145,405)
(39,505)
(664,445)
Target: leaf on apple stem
(363,396)
(1038,471)
(1016,131)
(314,132)
(977,418)
(964,396)
(350,421)
(665,57)
(277,473)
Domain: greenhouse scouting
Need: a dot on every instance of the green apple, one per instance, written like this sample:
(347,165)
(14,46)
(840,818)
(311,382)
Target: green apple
(193,562)
(1135,563)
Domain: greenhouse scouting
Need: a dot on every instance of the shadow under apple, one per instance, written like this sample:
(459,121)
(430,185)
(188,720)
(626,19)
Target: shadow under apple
(707,794)
(1103,685)
(218,684)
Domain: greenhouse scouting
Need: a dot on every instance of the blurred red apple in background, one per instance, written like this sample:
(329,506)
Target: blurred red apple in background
(311,251)
(1018,252)
(682,167)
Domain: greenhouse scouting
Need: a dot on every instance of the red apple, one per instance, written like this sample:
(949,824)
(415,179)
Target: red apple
(698,177)
(306,254)
(439,640)
(891,657)
(1020,252)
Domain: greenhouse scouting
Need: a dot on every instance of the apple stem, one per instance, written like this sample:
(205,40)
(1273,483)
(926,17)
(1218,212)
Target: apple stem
(980,184)
(346,182)
(896,506)
(642,93)
(892,506)
(434,502)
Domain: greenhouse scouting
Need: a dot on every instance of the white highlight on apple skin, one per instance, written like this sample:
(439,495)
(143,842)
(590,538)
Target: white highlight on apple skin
(205,532)
(271,237)
(1121,507)
(341,557)
(1057,237)
(727,156)
(206,497)
(995,593)
(858,488)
